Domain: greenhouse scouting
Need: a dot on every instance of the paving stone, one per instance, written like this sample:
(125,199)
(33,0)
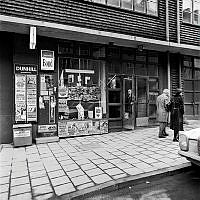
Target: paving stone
(4,188)
(72,167)
(133,160)
(18,174)
(44,197)
(39,181)
(160,165)
(19,168)
(19,189)
(4,180)
(86,185)
(24,196)
(124,165)
(55,174)
(167,160)
(88,166)
(4,196)
(74,173)
(99,161)
(83,161)
(94,172)
(19,181)
(38,174)
(113,171)
(150,160)
(142,165)
(116,161)
(102,178)
(5,172)
(60,180)
(118,176)
(106,166)
(66,162)
(79,180)
(42,189)
(64,189)
(156,156)
(51,168)
(141,157)
(133,171)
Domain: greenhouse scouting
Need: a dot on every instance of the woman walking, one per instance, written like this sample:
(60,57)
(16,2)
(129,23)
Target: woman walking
(177,111)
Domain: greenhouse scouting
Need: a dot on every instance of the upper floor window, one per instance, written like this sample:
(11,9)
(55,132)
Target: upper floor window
(191,11)
(144,6)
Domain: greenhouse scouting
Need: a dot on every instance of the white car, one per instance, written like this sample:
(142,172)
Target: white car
(189,143)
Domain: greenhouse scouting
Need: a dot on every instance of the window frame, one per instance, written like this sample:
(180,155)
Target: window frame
(192,14)
(105,2)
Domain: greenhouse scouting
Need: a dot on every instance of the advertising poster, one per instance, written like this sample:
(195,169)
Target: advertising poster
(62,129)
(52,112)
(98,112)
(47,130)
(31,98)
(103,126)
(20,97)
(62,105)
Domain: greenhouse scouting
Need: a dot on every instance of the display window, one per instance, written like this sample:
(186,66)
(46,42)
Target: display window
(81,92)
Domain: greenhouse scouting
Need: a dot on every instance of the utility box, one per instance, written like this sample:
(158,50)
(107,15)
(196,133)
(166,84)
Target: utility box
(22,135)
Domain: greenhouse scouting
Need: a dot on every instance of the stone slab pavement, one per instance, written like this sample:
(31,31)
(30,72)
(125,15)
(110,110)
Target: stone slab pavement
(75,166)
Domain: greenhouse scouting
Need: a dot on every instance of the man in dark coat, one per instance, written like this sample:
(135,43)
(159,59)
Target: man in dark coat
(177,111)
(162,112)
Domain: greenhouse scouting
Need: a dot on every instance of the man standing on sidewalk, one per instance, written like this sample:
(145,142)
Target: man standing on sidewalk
(162,112)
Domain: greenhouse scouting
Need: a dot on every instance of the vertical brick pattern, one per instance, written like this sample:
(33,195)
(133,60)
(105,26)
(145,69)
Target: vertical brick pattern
(90,15)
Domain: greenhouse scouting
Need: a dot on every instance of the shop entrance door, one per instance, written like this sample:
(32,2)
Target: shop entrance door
(120,102)
(128,103)
(142,101)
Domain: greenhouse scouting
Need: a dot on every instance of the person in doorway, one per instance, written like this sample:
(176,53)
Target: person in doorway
(177,111)
(162,112)
(129,101)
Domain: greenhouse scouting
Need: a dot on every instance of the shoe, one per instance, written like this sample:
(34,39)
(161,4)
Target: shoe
(161,136)
(166,134)
(175,140)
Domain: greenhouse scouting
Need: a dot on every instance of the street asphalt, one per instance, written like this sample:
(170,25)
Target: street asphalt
(79,165)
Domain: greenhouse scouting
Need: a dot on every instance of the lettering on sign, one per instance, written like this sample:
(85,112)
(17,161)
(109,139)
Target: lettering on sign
(47,60)
(25,68)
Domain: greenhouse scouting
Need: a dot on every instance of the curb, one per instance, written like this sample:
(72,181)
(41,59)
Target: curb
(120,183)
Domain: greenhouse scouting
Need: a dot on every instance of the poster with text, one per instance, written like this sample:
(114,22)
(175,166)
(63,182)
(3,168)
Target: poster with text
(31,98)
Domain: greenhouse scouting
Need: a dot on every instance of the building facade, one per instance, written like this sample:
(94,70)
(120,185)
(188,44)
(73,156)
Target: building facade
(80,67)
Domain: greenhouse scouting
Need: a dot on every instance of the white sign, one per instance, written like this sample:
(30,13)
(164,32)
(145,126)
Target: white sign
(47,60)
(22,133)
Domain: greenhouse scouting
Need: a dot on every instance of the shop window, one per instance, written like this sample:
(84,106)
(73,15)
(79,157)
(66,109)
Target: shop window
(153,70)
(187,73)
(188,85)
(99,1)
(127,68)
(191,11)
(141,69)
(140,6)
(81,85)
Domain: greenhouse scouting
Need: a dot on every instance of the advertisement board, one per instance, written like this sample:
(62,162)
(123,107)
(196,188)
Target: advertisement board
(47,60)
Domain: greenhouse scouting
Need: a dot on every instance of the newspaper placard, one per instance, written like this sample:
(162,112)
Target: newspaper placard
(47,60)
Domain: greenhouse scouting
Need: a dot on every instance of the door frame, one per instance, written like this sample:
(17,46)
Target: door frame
(141,121)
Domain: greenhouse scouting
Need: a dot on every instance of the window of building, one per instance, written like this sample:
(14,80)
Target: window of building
(191,77)
(144,6)
(191,11)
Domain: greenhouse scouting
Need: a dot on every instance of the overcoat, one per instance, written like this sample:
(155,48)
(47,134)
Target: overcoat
(177,111)
(161,103)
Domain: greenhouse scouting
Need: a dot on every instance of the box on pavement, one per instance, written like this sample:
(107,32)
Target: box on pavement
(22,134)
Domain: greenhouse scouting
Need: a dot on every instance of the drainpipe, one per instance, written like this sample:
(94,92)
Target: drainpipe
(178,22)
(167,20)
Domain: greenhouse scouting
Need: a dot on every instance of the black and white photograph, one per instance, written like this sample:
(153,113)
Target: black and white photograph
(100,99)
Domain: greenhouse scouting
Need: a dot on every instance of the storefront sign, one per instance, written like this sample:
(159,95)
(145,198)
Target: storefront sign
(25,68)
(47,60)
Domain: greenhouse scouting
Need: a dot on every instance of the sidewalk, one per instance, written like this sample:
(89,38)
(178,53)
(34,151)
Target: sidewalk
(74,166)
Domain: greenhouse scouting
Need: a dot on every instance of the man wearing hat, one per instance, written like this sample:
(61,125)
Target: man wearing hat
(162,112)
